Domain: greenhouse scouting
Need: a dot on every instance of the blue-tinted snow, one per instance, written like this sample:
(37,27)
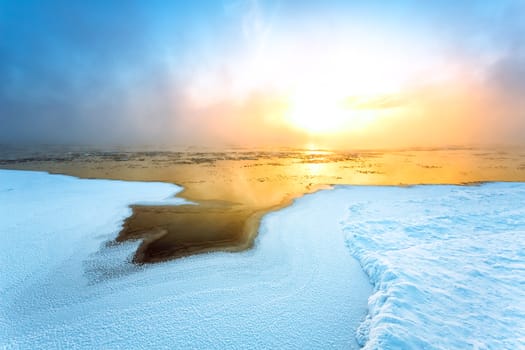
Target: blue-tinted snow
(447,264)
(62,286)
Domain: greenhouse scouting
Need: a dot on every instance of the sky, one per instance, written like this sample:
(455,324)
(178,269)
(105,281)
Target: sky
(337,74)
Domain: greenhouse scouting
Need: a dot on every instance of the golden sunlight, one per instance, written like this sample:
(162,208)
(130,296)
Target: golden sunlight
(340,95)
(325,112)
(317,112)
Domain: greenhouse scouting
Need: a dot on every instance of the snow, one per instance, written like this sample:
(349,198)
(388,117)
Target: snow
(447,264)
(63,286)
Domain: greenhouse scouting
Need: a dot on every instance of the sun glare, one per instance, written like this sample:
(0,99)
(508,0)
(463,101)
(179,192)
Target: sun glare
(337,96)
(328,112)
(317,112)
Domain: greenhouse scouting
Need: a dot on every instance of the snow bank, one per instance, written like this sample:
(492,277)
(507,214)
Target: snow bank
(447,264)
(63,286)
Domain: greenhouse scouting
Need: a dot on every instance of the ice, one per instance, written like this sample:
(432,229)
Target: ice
(447,264)
(63,286)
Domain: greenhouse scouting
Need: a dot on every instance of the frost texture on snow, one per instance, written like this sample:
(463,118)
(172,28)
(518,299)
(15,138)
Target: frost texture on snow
(63,286)
(447,264)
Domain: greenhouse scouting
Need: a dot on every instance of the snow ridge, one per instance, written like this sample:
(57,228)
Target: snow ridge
(447,264)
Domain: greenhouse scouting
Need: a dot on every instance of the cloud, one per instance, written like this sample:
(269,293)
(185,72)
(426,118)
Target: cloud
(67,69)
(507,73)
(100,72)
(375,102)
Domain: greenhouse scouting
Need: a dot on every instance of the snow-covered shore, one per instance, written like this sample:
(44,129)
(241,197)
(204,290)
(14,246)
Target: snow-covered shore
(62,286)
(447,264)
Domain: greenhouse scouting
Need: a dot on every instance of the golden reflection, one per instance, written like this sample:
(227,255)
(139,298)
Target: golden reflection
(312,149)
(314,169)
(234,189)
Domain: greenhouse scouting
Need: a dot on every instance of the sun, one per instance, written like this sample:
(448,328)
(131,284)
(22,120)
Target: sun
(318,111)
(321,111)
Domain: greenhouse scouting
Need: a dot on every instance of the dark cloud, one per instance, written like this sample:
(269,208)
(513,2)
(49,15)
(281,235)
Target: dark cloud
(508,74)
(71,70)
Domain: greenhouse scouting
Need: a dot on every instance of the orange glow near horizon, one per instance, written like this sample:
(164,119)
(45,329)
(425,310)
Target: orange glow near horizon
(324,113)
(343,96)
(336,89)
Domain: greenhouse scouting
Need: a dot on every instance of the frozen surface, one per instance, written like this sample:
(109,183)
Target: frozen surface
(447,264)
(63,286)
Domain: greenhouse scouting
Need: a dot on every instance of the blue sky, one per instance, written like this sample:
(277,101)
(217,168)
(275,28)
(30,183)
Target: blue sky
(107,72)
